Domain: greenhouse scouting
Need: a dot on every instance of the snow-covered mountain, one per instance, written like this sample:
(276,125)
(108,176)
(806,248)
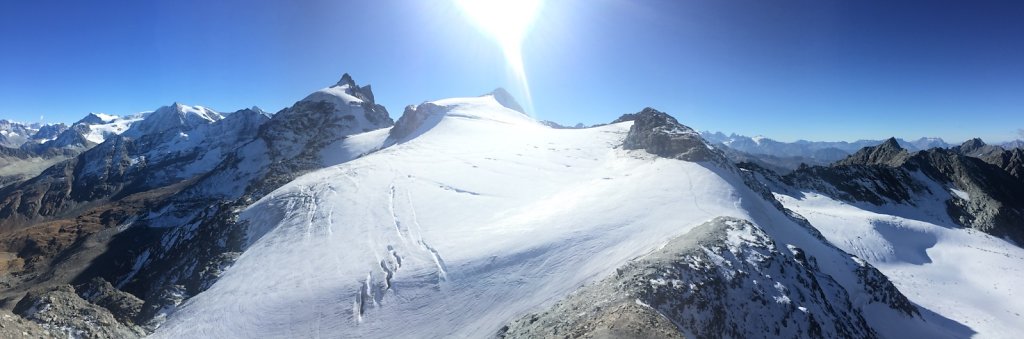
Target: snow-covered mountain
(468,218)
(946,227)
(50,144)
(472,214)
(92,130)
(1013,144)
(14,134)
(787,156)
(804,148)
(198,231)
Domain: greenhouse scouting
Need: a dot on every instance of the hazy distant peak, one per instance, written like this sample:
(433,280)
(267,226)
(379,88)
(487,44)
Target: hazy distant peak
(506,99)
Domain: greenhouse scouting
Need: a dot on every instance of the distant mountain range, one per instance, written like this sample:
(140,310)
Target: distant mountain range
(786,156)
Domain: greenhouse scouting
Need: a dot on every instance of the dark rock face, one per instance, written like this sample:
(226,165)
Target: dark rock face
(506,99)
(118,167)
(123,306)
(708,284)
(888,153)
(61,310)
(886,174)
(660,134)
(13,326)
(413,119)
(48,132)
(194,235)
(978,149)
(1011,161)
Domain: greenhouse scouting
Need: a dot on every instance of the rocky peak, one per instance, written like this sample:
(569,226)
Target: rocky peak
(344,92)
(94,119)
(887,153)
(47,132)
(890,144)
(660,134)
(346,79)
(971,145)
(364,93)
(176,117)
(506,99)
(978,149)
(633,116)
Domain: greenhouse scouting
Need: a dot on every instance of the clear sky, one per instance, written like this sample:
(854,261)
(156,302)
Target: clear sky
(816,69)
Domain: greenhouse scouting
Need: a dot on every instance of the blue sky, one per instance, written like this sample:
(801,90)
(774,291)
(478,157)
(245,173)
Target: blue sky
(817,70)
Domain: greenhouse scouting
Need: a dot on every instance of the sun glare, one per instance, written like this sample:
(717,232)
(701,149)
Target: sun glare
(507,21)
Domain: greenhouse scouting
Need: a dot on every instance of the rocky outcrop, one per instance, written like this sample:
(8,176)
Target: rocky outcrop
(992,200)
(1011,161)
(414,119)
(887,153)
(725,278)
(123,306)
(977,148)
(660,134)
(14,326)
(193,236)
(506,99)
(182,147)
(61,310)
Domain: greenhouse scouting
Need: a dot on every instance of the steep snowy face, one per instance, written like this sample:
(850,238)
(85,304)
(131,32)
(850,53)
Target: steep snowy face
(494,106)
(176,118)
(48,132)
(475,215)
(973,193)
(324,117)
(171,144)
(14,134)
(199,224)
(960,274)
(91,130)
(123,165)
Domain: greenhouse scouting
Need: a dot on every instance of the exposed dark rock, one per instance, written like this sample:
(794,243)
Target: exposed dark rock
(123,306)
(506,99)
(13,326)
(415,118)
(709,285)
(61,310)
(195,234)
(888,174)
(888,153)
(978,149)
(660,134)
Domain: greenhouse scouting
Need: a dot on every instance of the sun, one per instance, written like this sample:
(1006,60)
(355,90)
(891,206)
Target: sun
(507,21)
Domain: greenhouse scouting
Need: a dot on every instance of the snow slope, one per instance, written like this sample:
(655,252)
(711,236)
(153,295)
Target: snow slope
(477,216)
(109,125)
(965,275)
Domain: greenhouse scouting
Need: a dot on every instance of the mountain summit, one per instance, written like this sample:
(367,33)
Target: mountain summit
(506,99)
(889,153)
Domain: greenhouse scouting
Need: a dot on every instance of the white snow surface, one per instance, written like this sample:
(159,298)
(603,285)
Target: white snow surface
(176,116)
(337,95)
(968,276)
(960,194)
(112,125)
(479,218)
